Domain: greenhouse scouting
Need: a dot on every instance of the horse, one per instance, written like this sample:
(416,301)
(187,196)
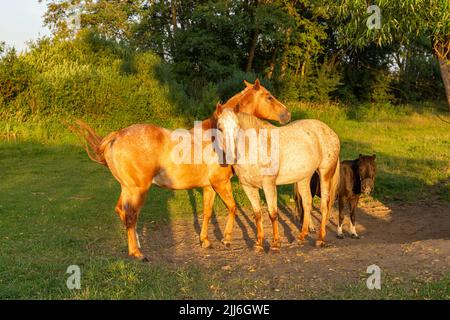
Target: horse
(356,177)
(140,156)
(304,146)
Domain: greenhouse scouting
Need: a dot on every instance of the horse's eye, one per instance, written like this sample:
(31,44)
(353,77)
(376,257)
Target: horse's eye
(270,97)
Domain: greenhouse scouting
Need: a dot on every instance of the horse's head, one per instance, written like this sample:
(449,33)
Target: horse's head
(228,125)
(367,171)
(258,101)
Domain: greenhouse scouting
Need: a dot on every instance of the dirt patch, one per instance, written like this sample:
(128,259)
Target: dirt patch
(405,240)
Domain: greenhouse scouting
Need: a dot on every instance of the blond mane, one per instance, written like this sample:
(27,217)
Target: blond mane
(247,121)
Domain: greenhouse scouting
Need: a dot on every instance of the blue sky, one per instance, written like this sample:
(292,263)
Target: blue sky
(21,21)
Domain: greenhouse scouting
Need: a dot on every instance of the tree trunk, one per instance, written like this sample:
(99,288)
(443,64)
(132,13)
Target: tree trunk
(174,15)
(297,68)
(284,60)
(251,52)
(255,35)
(445,74)
(442,52)
(272,64)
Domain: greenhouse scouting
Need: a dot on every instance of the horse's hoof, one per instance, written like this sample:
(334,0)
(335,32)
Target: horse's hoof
(301,237)
(355,236)
(206,244)
(340,236)
(139,257)
(275,248)
(320,243)
(226,243)
(259,249)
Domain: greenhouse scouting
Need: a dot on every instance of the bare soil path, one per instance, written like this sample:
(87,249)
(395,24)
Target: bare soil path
(407,241)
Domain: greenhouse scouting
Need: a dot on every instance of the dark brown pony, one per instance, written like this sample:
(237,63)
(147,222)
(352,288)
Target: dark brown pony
(356,177)
(140,155)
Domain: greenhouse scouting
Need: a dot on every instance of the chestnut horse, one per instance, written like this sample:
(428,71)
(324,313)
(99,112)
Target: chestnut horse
(297,150)
(140,155)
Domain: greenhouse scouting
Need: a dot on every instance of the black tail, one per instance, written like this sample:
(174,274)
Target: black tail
(298,202)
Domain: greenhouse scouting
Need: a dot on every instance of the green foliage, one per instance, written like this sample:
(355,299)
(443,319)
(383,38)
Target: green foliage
(401,21)
(15,76)
(381,91)
(216,41)
(307,50)
(203,96)
(322,84)
(235,83)
(319,84)
(91,77)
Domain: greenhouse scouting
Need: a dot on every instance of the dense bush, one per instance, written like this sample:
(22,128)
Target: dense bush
(90,77)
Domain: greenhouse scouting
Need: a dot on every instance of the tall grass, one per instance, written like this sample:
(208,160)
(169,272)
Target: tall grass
(412,144)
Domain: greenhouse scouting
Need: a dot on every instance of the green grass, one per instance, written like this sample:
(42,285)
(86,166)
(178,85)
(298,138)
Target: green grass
(56,210)
(395,290)
(392,288)
(412,148)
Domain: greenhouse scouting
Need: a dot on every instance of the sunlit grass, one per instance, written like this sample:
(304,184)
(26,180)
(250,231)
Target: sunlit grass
(56,208)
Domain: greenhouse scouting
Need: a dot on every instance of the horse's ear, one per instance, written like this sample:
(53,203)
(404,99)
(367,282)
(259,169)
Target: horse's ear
(257,85)
(219,108)
(360,155)
(247,84)
(374,156)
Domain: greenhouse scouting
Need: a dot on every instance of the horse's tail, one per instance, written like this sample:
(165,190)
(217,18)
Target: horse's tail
(334,188)
(93,143)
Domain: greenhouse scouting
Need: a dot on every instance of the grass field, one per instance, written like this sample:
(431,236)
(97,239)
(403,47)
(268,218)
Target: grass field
(56,210)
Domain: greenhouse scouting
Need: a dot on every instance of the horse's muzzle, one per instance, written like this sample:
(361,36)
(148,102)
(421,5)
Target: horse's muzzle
(285,117)
(367,186)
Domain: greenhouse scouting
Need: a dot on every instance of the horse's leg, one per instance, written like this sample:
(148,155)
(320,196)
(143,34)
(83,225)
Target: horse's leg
(208,201)
(334,187)
(132,200)
(305,193)
(270,191)
(299,207)
(353,205)
(340,235)
(253,195)
(325,185)
(226,194)
(119,210)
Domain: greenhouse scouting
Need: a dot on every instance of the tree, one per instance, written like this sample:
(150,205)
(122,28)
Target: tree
(113,19)
(401,22)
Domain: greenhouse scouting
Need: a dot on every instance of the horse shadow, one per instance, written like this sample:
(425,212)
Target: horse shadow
(218,234)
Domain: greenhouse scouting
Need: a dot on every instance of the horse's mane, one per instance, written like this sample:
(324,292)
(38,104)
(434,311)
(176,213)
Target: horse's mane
(234,100)
(231,103)
(247,121)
